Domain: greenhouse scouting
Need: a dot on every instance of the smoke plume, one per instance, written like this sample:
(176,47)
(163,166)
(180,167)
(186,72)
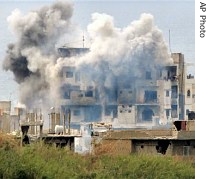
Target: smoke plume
(115,54)
(33,57)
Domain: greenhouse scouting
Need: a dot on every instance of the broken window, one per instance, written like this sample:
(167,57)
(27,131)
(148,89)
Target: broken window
(162,146)
(188,93)
(150,96)
(111,110)
(147,114)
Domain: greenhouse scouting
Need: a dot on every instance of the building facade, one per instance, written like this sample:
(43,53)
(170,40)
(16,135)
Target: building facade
(156,98)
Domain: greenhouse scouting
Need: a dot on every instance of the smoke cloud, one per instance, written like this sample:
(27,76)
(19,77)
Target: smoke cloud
(33,57)
(115,54)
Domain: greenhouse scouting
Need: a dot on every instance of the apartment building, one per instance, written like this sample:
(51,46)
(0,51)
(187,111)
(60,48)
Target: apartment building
(155,98)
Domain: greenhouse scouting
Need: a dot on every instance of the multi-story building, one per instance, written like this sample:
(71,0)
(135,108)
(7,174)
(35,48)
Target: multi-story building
(156,98)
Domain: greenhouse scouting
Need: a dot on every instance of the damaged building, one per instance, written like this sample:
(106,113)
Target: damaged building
(155,98)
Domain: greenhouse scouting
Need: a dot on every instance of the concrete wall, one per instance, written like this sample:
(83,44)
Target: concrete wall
(127,114)
(189,98)
(138,134)
(190,126)
(183,148)
(175,147)
(5,107)
(149,147)
(117,147)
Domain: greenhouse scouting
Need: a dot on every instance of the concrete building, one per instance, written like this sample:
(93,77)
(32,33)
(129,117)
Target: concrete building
(5,119)
(180,140)
(154,99)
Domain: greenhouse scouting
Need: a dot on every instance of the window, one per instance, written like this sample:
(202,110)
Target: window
(89,94)
(188,93)
(69,74)
(167,112)
(174,111)
(174,91)
(167,93)
(150,96)
(76,112)
(147,114)
(148,75)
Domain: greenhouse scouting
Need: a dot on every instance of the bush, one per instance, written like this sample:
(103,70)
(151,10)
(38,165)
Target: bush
(39,161)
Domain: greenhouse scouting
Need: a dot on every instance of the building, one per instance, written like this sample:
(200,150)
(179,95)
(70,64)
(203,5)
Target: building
(154,99)
(5,119)
(179,140)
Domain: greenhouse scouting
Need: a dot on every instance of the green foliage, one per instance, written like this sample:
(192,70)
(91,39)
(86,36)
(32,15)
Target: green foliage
(39,161)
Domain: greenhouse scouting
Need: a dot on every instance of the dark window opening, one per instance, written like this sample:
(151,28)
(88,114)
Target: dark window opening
(69,74)
(66,95)
(191,115)
(142,146)
(188,93)
(180,125)
(162,146)
(150,96)
(174,92)
(167,112)
(148,75)
(111,110)
(167,93)
(89,93)
(147,115)
(76,112)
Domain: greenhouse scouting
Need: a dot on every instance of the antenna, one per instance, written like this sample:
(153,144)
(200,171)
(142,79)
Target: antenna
(83,40)
(169,40)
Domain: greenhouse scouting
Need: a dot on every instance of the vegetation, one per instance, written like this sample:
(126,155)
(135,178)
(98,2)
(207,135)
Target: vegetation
(38,161)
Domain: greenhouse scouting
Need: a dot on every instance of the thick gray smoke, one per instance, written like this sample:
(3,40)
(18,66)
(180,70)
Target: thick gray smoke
(120,56)
(32,57)
(115,54)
